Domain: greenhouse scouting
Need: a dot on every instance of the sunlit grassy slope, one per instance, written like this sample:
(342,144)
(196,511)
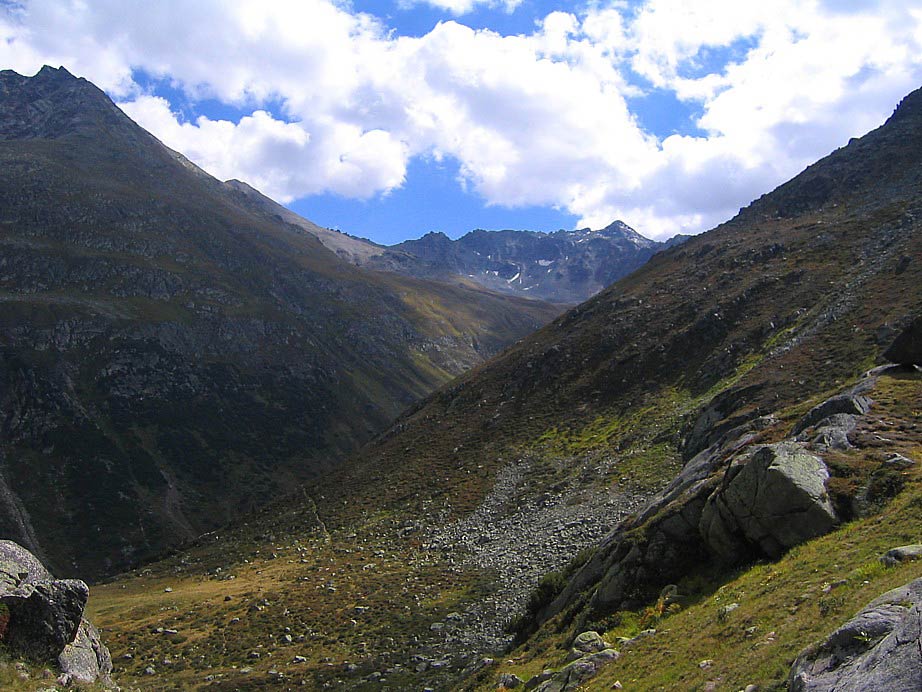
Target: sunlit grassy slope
(783,606)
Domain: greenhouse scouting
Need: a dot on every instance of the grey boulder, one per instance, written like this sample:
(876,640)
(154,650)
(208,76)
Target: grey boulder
(587,643)
(904,553)
(851,404)
(772,502)
(46,621)
(510,681)
(879,649)
(46,617)
(574,675)
(86,659)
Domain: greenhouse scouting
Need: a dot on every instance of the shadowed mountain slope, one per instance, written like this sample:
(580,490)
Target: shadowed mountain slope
(169,356)
(409,561)
(348,248)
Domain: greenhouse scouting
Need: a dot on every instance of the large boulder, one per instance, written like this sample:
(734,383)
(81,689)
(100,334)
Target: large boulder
(46,621)
(46,617)
(906,349)
(879,649)
(768,504)
(904,553)
(588,642)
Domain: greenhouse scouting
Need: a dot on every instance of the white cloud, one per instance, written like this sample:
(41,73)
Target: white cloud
(460,7)
(280,158)
(542,119)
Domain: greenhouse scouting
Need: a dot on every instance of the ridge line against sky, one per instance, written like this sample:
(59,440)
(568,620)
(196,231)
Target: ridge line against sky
(392,118)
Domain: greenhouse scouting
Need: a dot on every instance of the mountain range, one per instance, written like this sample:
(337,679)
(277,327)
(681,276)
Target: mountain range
(560,267)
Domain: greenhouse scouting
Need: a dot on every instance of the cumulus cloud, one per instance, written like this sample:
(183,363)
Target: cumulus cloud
(284,159)
(459,7)
(337,102)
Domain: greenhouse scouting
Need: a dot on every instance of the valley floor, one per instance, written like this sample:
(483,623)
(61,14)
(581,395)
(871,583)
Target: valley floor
(398,602)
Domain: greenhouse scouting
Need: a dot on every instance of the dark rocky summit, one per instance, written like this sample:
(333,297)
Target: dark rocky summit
(46,622)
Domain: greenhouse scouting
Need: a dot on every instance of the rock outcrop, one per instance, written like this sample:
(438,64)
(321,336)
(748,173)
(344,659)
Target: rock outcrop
(589,654)
(46,622)
(774,500)
(906,349)
(852,403)
(734,500)
(879,649)
(828,425)
(575,674)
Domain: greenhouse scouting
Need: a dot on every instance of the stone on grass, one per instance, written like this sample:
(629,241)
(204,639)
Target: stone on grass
(510,681)
(905,553)
(898,461)
(878,649)
(587,643)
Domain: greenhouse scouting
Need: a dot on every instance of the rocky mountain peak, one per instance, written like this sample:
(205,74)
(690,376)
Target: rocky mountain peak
(880,167)
(562,266)
(53,104)
(436,237)
(620,229)
(909,108)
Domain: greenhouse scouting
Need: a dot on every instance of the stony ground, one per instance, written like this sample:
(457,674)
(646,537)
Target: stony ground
(520,541)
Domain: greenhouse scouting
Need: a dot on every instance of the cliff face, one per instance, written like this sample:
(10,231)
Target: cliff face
(170,357)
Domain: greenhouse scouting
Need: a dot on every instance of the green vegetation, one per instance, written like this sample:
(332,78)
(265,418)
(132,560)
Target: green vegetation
(782,606)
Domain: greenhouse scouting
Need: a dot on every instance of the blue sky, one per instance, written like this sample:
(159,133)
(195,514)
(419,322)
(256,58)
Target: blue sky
(431,198)
(391,119)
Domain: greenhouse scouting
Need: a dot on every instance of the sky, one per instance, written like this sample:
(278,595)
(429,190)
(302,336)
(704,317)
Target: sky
(391,118)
